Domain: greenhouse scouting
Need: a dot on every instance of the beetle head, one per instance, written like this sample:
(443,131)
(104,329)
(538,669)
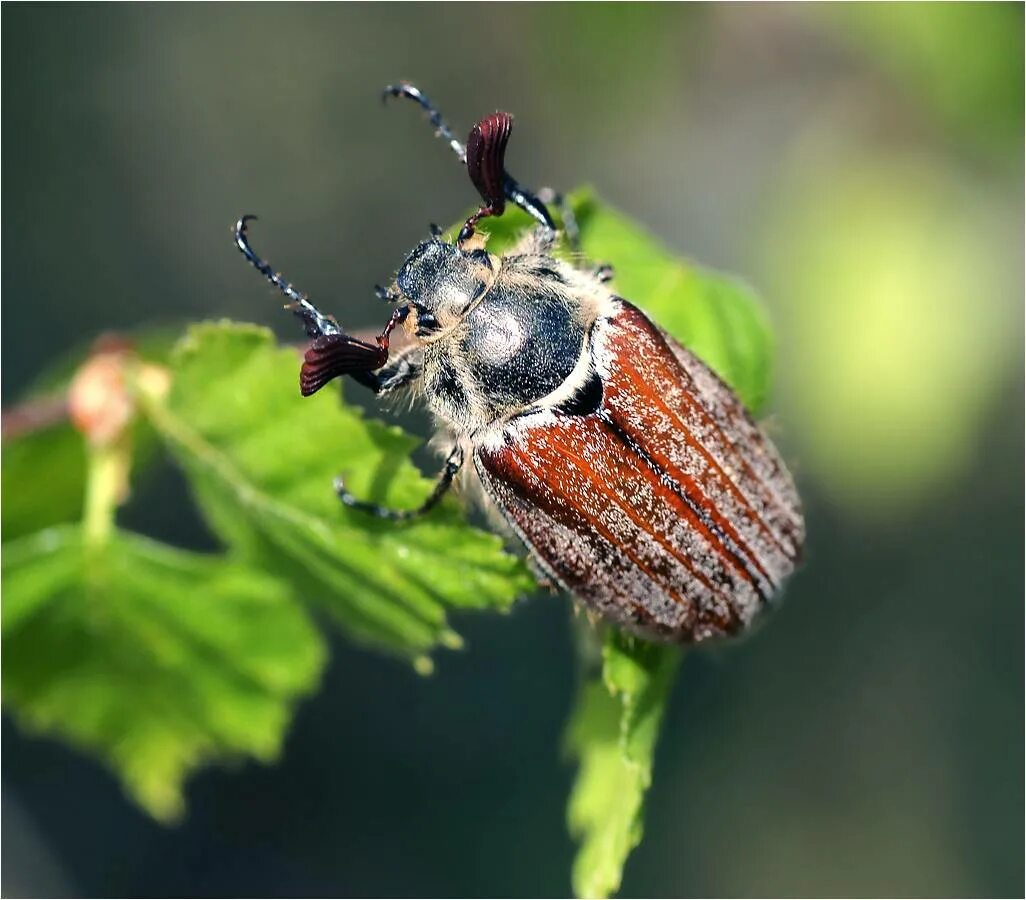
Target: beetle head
(442,282)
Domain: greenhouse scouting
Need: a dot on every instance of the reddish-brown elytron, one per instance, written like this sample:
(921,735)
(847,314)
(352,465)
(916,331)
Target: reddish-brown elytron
(633,475)
(664,507)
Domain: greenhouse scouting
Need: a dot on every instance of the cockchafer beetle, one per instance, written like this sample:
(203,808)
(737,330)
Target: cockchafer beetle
(633,475)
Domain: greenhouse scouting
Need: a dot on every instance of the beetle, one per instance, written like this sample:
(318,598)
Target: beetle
(633,475)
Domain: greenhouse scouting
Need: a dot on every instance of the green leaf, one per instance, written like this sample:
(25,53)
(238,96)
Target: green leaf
(612,735)
(154,659)
(43,480)
(261,460)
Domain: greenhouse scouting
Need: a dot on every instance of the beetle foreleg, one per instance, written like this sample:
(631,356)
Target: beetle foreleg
(452,466)
(566,213)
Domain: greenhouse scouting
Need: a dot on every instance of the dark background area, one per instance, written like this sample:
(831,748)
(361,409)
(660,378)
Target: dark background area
(860,166)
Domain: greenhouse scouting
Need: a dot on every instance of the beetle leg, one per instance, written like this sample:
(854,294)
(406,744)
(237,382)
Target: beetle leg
(528,202)
(566,213)
(452,466)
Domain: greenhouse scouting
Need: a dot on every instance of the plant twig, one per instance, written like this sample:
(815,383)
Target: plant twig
(34,415)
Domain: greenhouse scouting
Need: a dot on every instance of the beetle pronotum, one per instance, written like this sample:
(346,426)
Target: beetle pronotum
(633,475)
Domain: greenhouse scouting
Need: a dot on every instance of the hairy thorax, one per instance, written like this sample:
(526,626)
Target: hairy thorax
(523,342)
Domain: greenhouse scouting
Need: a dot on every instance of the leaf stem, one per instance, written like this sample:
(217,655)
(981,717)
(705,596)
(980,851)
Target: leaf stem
(106,486)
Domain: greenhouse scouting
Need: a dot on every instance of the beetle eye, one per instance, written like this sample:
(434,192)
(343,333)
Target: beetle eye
(426,321)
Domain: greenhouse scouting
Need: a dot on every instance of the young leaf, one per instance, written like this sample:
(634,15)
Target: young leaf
(154,659)
(612,735)
(262,459)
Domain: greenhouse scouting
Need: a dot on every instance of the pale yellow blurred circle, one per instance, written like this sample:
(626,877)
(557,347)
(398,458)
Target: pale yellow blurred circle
(900,321)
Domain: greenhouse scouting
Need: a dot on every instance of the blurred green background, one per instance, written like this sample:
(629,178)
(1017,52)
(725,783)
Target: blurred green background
(861,166)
